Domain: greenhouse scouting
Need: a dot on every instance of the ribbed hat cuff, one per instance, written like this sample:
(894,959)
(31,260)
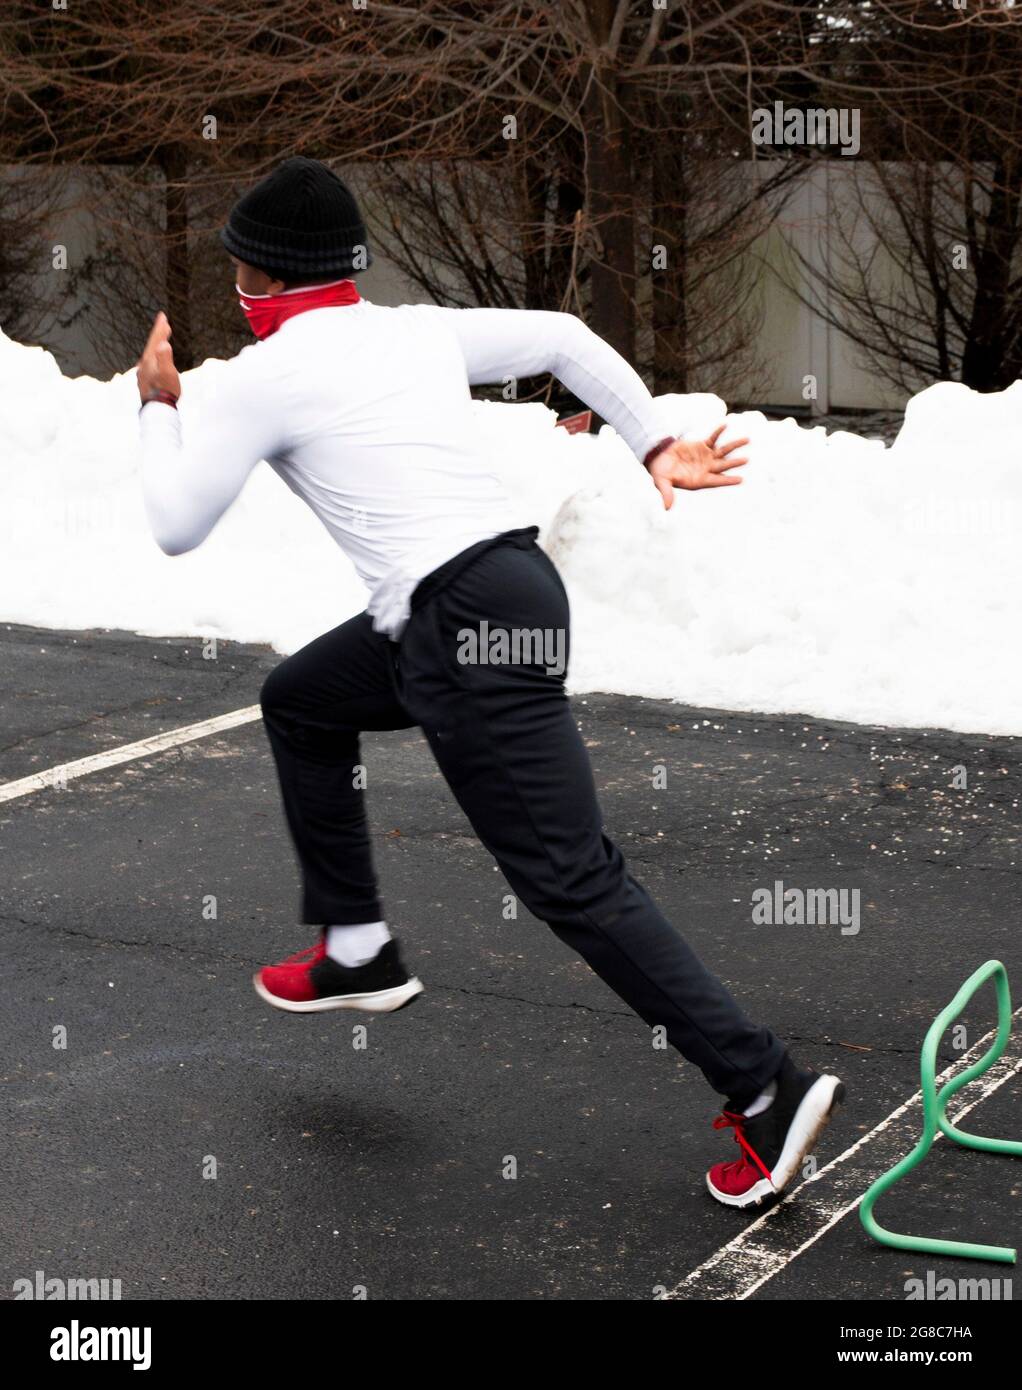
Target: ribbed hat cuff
(257,249)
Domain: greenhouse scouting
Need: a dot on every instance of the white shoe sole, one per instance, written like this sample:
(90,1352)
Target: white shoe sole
(810,1120)
(381,1001)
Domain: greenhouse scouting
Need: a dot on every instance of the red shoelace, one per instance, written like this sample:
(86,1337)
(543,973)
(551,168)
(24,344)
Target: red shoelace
(728,1120)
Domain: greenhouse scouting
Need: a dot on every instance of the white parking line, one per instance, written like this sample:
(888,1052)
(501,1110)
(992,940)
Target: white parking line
(65,772)
(766,1247)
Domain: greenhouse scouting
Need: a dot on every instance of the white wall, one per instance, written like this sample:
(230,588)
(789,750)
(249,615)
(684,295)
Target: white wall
(799,342)
(796,341)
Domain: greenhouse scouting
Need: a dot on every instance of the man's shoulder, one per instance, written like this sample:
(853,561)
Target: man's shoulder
(247,370)
(415,310)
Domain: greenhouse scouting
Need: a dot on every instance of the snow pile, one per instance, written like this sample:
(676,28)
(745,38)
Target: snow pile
(841,579)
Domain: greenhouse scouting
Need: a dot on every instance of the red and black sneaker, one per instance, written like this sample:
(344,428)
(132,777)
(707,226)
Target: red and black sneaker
(775,1141)
(311,982)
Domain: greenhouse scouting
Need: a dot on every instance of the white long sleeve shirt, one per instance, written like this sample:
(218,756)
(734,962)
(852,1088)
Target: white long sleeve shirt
(365,413)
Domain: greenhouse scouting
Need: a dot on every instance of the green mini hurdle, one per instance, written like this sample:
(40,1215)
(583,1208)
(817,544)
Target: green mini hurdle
(935,1117)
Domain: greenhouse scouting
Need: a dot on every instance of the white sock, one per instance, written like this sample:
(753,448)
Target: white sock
(356,945)
(762,1102)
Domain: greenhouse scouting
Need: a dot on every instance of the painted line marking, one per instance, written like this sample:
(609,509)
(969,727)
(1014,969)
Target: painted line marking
(63,773)
(766,1247)
(739,1269)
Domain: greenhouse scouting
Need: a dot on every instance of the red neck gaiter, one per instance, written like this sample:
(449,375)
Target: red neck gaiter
(266,312)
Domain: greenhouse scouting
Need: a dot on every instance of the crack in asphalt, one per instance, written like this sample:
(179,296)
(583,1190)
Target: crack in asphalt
(440,987)
(84,723)
(149,702)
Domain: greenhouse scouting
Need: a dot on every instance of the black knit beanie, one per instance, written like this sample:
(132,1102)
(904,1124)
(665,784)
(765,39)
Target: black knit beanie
(301,220)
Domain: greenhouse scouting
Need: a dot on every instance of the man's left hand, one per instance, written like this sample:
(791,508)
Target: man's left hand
(156,370)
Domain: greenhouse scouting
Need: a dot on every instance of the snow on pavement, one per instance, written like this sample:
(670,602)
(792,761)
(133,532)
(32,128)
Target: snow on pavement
(842,579)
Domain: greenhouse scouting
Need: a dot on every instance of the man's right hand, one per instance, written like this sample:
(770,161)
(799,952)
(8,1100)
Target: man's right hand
(695,466)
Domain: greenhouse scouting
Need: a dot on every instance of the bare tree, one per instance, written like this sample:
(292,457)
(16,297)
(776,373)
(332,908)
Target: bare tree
(168,111)
(605,176)
(29,216)
(925,268)
(529,154)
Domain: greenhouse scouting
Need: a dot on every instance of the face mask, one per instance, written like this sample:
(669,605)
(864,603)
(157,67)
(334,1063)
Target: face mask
(266,312)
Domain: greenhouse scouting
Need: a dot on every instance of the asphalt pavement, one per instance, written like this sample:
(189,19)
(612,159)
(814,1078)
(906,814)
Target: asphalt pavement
(515,1135)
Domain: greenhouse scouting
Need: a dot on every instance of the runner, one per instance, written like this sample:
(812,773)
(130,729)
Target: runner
(365,413)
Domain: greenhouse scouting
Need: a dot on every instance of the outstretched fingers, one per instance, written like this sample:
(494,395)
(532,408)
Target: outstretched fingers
(723,464)
(722,453)
(726,449)
(159,333)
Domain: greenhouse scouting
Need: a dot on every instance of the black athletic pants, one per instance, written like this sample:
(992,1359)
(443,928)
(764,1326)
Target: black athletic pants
(505,739)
